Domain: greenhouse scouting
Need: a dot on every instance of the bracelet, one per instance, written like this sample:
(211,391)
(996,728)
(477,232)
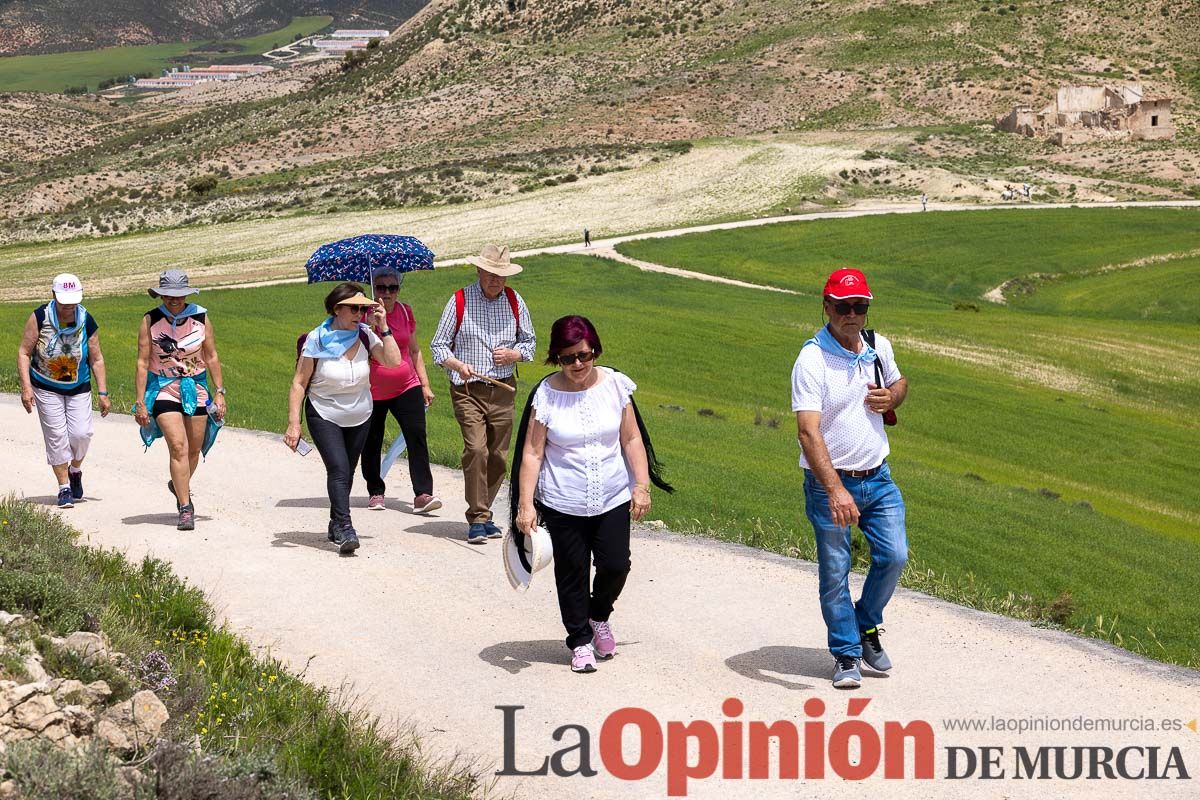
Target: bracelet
(385,333)
(102,394)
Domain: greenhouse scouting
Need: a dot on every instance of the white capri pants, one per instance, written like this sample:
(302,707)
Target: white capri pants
(66,424)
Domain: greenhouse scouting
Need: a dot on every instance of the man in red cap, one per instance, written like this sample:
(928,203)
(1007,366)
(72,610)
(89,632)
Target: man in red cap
(843,384)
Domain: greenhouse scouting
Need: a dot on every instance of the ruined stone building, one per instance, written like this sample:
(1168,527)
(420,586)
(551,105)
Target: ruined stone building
(1085,113)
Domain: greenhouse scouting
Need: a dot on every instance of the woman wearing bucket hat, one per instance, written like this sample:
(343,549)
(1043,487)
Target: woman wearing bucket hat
(403,392)
(178,383)
(584,465)
(332,383)
(60,349)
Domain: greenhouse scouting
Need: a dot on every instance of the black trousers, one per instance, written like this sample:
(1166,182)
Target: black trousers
(409,410)
(339,448)
(578,542)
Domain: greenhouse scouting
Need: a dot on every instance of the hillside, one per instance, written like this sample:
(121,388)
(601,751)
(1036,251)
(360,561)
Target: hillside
(48,26)
(476,98)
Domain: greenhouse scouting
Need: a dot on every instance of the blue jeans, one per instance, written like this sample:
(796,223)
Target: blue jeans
(881,510)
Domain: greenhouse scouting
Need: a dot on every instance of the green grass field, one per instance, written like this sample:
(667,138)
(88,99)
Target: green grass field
(1044,456)
(54,72)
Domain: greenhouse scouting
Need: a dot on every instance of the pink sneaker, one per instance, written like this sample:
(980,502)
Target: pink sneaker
(376,503)
(583,659)
(603,641)
(424,503)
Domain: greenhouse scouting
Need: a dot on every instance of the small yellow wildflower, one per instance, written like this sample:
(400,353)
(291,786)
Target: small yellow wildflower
(200,663)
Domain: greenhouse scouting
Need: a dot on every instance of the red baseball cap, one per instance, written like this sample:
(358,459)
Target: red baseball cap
(847,282)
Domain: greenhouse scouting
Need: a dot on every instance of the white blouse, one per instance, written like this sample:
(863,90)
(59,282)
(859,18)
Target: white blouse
(584,472)
(340,389)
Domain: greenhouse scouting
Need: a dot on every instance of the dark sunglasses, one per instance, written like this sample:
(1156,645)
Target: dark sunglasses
(387,287)
(844,308)
(361,309)
(582,358)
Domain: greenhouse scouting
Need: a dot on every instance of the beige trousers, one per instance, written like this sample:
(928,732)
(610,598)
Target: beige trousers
(485,415)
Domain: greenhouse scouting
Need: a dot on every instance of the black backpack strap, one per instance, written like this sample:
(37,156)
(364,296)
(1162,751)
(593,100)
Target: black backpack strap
(868,336)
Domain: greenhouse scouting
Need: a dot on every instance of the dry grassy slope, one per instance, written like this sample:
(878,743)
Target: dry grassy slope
(41,26)
(481,78)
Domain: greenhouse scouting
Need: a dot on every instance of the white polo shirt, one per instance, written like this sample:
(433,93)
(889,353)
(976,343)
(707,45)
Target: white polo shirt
(824,382)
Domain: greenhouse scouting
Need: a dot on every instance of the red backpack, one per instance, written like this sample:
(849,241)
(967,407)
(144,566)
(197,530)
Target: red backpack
(460,310)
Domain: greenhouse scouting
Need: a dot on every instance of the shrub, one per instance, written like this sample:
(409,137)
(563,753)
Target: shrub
(202,184)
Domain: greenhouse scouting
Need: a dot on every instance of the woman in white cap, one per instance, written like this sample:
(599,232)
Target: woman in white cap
(403,392)
(332,382)
(178,379)
(60,349)
(584,465)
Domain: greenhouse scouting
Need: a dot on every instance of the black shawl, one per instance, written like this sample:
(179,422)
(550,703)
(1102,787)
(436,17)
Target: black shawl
(514,481)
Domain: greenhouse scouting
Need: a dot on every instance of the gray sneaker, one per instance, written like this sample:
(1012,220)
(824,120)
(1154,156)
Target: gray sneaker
(846,674)
(873,652)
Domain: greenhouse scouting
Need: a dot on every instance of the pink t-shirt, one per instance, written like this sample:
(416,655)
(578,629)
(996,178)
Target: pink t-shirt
(389,382)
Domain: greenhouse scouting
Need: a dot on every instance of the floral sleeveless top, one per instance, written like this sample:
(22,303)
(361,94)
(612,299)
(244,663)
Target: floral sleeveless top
(177,351)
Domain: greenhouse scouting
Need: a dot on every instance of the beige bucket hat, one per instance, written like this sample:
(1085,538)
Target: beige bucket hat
(496,260)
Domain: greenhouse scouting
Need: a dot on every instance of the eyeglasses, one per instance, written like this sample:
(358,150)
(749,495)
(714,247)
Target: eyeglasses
(361,309)
(582,358)
(387,287)
(845,308)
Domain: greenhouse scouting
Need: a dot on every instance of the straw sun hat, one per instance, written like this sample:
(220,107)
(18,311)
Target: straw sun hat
(525,555)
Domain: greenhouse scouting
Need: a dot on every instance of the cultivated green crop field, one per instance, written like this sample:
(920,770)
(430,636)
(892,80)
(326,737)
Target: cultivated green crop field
(1044,451)
(53,72)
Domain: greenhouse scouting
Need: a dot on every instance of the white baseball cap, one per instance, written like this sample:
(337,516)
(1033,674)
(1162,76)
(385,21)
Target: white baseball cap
(68,288)
(525,555)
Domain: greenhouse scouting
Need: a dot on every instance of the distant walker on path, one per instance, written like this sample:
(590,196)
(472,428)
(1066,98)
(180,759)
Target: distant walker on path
(587,238)
(840,415)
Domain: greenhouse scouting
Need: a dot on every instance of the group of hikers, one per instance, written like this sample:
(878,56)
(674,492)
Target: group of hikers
(583,464)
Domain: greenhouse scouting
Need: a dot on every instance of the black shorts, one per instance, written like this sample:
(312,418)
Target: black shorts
(171,407)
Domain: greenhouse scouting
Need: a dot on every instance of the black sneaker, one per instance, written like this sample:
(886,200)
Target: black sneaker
(873,652)
(187,518)
(76,479)
(348,541)
(846,674)
(332,531)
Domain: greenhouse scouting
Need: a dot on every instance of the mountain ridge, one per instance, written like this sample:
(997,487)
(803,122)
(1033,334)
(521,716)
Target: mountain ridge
(473,98)
(30,27)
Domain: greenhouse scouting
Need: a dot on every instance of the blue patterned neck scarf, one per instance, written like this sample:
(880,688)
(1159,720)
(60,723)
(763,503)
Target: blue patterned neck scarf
(189,310)
(59,330)
(826,341)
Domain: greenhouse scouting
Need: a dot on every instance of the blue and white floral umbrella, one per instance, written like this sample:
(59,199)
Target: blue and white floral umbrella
(356,258)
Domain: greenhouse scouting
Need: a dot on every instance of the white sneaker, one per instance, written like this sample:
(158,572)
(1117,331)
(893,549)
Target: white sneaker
(583,659)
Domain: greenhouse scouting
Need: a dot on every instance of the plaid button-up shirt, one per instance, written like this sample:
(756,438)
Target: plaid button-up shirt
(487,324)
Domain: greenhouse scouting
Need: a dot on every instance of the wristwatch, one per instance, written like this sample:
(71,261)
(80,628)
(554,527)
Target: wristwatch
(388,332)
(220,390)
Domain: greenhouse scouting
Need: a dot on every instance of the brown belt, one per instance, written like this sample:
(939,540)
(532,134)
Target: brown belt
(860,473)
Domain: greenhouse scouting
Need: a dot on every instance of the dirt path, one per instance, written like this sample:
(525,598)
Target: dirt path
(427,629)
